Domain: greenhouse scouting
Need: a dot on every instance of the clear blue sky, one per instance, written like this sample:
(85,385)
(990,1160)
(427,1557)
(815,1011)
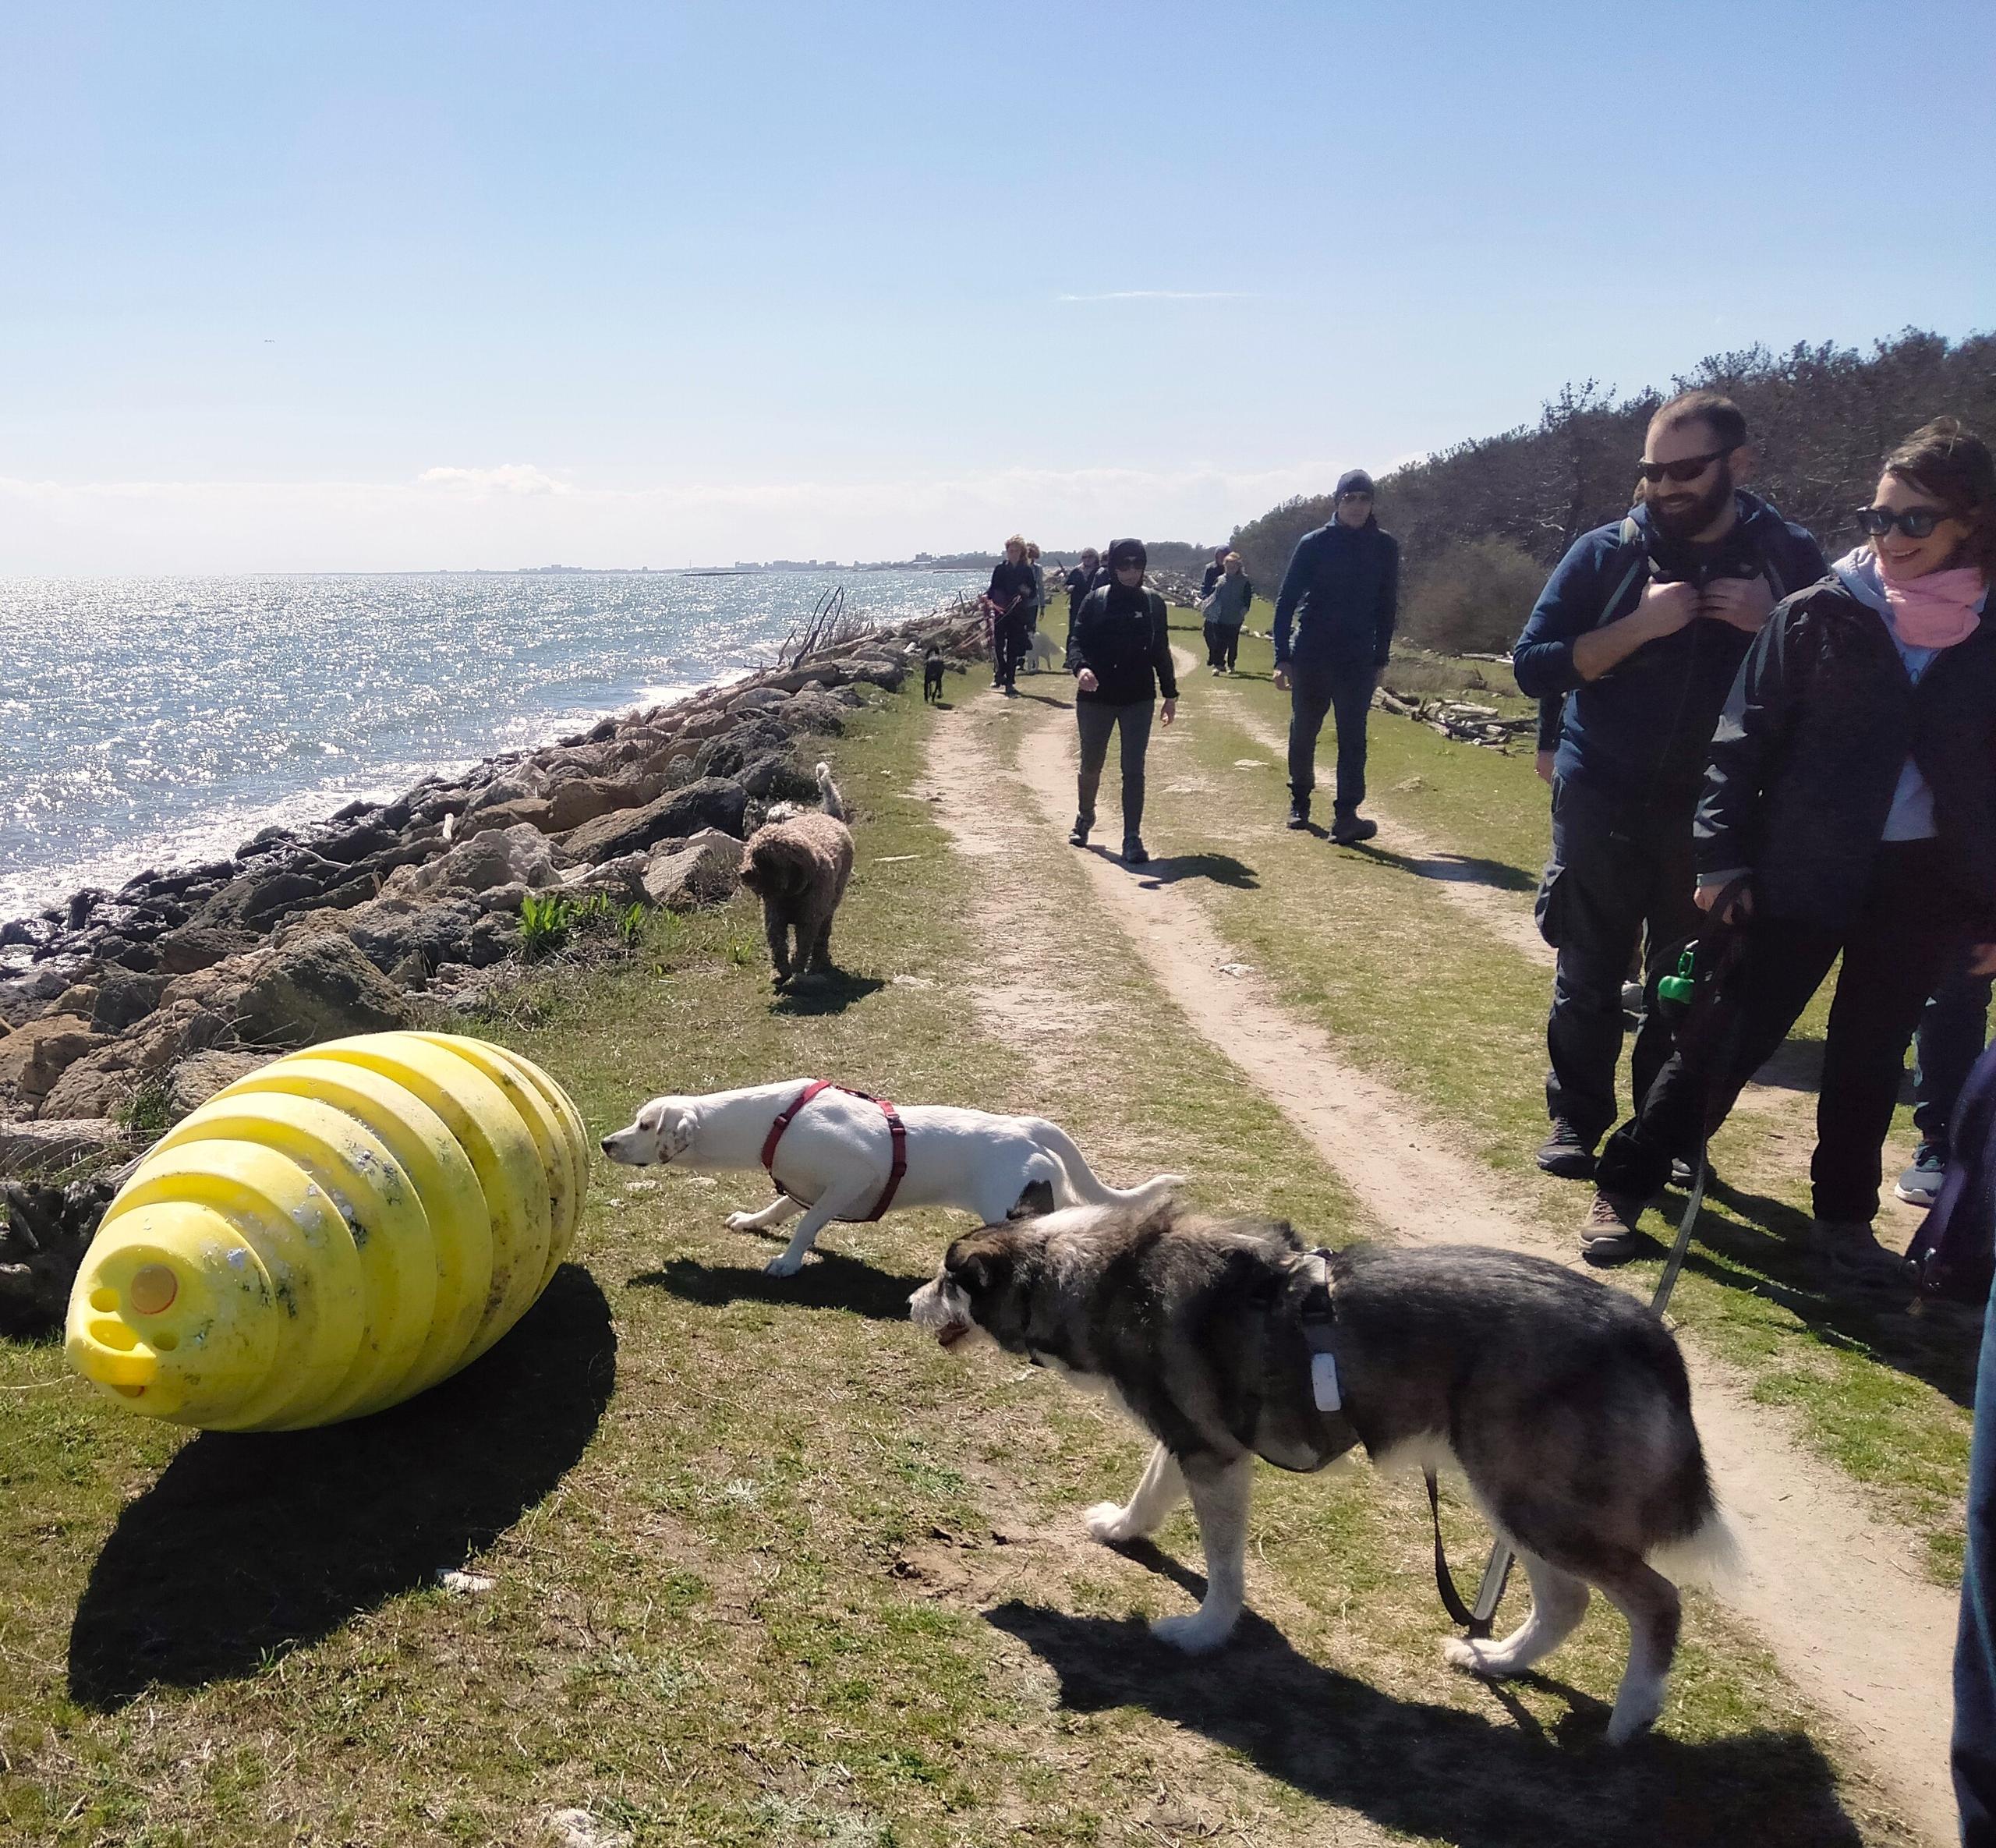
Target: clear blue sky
(317,286)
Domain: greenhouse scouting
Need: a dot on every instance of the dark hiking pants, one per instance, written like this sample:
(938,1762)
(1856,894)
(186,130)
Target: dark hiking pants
(1222,644)
(1620,877)
(1346,693)
(1095,719)
(1906,936)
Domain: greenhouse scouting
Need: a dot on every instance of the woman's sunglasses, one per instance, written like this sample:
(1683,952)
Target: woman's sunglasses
(1689,470)
(1915,523)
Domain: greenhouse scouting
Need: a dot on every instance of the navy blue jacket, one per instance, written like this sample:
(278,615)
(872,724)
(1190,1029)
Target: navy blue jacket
(1342,590)
(1641,730)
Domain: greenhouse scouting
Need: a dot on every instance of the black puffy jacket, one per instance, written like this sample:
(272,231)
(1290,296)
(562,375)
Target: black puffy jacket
(1121,635)
(1808,753)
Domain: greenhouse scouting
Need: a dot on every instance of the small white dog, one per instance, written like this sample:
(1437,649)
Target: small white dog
(1044,653)
(836,1157)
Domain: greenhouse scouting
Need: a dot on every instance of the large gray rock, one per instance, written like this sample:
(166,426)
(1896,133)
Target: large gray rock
(804,712)
(36,1148)
(44,1231)
(394,929)
(776,776)
(199,1076)
(124,999)
(712,802)
(535,812)
(198,946)
(321,988)
(269,890)
(516,856)
(704,872)
(583,799)
(620,880)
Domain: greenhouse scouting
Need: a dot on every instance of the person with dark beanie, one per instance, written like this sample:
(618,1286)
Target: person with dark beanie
(1119,650)
(1340,594)
(1849,811)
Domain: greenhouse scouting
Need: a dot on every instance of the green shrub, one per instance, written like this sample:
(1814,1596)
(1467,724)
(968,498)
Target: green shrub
(1472,598)
(546,918)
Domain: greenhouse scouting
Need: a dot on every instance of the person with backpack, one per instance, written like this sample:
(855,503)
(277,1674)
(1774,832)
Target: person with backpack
(1341,592)
(1037,607)
(1080,581)
(1225,607)
(1637,636)
(1119,650)
(1214,568)
(1849,812)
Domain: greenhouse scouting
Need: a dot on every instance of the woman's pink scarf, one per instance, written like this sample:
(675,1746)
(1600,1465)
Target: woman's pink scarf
(1936,611)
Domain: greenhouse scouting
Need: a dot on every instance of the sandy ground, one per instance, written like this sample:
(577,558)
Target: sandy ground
(1836,1592)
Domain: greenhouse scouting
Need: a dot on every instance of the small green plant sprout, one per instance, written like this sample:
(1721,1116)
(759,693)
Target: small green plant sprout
(630,926)
(546,918)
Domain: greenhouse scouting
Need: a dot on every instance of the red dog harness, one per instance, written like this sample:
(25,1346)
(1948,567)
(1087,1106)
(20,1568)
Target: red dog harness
(896,1128)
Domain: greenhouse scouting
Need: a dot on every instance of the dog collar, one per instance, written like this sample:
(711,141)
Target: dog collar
(1318,1315)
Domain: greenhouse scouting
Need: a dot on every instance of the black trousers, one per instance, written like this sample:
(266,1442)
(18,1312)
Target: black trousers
(1347,693)
(1907,933)
(1095,719)
(1620,876)
(1222,643)
(1009,640)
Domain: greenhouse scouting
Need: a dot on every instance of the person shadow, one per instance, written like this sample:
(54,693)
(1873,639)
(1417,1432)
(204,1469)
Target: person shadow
(1454,868)
(1221,868)
(250,1544)
(1432,1771)
(827,1281)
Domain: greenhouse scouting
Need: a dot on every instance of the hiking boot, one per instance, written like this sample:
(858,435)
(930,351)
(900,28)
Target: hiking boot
(1299,811)
(1134,853)
(1920,1184)
(1851,1252)
(1608,1234)
(1348,830)
(1566,1152)
(1684,1174)
(1077,836)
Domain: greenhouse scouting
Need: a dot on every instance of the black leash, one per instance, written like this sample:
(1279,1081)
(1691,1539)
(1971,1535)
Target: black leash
(1477,1619)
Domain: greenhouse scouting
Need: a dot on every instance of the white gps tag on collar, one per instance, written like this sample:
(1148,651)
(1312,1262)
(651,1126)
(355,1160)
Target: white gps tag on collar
(1324,1382)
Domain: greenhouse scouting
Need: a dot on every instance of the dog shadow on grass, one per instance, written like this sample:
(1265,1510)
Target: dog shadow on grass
(249,1544)
(824,991)
(1762,1249)
(1433,1771)
(827,1281)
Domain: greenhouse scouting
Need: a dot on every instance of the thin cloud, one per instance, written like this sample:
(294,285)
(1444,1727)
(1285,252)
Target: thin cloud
(1165,294)
(508,478)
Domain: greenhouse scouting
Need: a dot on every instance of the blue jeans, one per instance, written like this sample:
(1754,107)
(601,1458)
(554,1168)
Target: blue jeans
(1345,692)
(1952,1026)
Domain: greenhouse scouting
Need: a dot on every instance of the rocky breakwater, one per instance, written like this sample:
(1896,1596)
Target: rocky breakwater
(121,1011)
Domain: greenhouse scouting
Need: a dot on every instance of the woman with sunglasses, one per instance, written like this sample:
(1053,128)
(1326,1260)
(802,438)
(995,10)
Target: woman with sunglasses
(1849,808)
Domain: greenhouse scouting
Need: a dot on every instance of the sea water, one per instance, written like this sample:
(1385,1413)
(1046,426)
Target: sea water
(155,722)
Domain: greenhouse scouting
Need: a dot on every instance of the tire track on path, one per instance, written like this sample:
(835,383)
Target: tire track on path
(1836,1592)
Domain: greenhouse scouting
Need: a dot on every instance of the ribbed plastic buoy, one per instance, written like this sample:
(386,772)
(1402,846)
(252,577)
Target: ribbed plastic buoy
(331,1235)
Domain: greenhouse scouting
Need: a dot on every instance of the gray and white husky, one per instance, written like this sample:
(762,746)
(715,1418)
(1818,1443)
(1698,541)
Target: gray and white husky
(1561,1399)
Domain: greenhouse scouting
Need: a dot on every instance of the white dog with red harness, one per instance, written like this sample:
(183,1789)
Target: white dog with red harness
(836,1154)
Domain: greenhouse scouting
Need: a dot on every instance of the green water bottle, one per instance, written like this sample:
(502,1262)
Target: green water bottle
(1676,989)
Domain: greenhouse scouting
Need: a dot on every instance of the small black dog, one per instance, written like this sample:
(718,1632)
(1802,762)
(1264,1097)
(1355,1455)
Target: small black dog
(932,677)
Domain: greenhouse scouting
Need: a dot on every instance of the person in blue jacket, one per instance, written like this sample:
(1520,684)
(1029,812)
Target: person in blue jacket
(1340,596)
(1636,637)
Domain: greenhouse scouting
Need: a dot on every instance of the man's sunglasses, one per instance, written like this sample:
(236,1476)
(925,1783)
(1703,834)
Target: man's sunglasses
(1689,470)
(1915,523)
(1356,493)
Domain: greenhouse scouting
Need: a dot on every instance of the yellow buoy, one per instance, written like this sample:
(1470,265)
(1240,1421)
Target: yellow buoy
(333,1233)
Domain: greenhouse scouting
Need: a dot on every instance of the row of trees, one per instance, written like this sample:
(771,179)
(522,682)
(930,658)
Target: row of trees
(1481,524)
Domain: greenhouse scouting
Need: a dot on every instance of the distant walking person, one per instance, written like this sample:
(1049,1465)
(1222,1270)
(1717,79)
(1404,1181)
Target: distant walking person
(1342,593)
(1118,651)
(1213,570)
(1038,606)
(1853,782)
(1226,609)
(1637,636)
(1080,581)
(1007,602)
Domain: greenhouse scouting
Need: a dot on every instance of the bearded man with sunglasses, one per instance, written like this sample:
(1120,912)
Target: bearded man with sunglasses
(1639,634)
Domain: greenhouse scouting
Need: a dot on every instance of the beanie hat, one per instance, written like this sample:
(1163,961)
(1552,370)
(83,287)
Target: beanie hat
(1128,551)
(1354,481)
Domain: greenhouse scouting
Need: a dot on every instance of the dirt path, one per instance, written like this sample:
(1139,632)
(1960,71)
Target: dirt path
(1836,1592)
(1504,918)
